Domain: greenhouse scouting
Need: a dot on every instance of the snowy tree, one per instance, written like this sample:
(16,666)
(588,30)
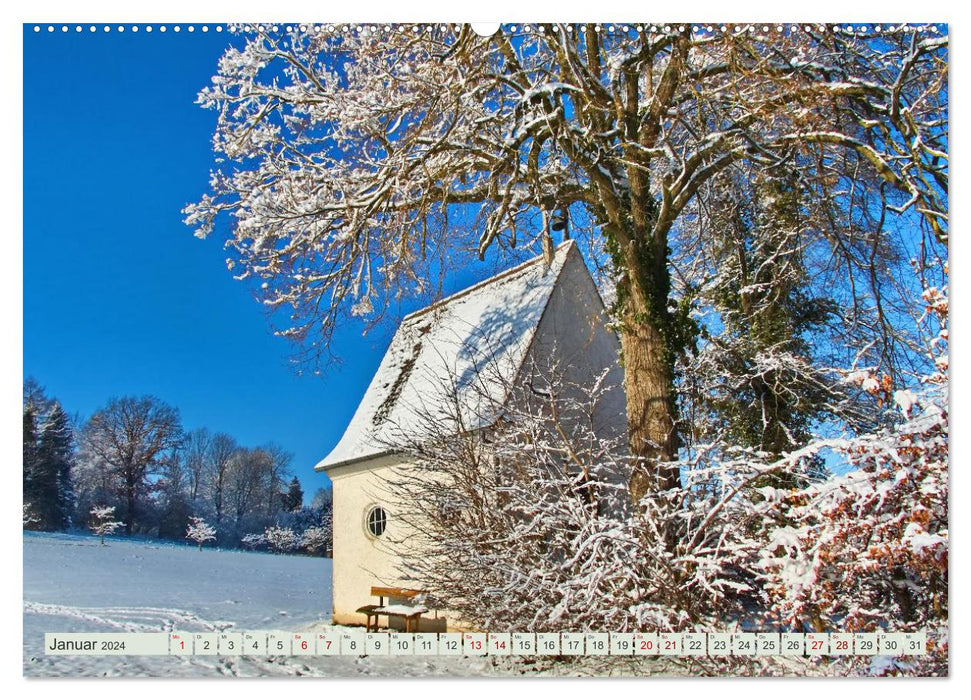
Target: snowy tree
(245,485)
(221,450)
(102,522)
(365,160)
(281,539)
(251,486)
(200,532)
(757,374)
(276,461)
(36,406)
(868,550)
(292,498)
(48,459)
(513,525)
(323,499)
(524,523)
(55,454)
(132,437)
(29,517)
(198,458)
(95,483)
(254,540)
(528,523)
(29,459)
(169,494)
(36,399)
(318,539)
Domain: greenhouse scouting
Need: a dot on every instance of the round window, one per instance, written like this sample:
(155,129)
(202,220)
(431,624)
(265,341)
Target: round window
(377,521)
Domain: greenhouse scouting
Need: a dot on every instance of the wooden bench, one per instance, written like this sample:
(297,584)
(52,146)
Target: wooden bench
(411,614)
(381,592)
(371,611)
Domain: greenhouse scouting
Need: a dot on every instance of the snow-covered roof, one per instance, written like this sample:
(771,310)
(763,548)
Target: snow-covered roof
(468,346)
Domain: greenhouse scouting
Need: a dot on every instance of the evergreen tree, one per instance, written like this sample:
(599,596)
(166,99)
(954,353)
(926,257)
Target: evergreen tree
(292,499)
(30,463)
(55,458)
(36,399)
(763,390)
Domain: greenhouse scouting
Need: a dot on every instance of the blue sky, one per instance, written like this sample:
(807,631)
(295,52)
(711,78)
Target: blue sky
(119,297)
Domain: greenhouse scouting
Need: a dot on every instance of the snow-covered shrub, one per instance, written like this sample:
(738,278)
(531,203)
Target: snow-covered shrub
(102,521)
(317,540)
(281,539)
(301,519)
(868,550)
(527,524)
(199,531)
(254,540)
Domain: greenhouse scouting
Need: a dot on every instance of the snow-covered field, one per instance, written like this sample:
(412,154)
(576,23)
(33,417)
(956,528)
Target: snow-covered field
(72,584)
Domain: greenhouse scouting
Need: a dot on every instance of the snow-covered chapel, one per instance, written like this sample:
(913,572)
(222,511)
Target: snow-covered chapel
(540,312)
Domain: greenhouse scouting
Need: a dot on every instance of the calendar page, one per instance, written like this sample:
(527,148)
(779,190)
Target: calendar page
(424,348)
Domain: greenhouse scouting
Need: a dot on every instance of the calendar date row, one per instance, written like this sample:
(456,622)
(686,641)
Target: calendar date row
(354,643)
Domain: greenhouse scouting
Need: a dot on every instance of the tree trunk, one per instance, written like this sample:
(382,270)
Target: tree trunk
(130,496)
(649,339)
(648,382)
(218,500)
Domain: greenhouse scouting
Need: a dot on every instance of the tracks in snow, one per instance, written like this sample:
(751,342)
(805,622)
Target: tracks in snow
(132,619)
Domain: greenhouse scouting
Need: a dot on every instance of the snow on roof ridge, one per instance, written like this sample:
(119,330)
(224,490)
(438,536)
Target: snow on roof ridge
(565,246)
(353,445)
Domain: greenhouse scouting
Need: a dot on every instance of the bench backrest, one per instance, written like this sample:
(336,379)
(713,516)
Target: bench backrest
(394,592)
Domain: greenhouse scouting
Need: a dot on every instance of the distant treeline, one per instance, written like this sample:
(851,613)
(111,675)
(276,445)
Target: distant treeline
(133,454)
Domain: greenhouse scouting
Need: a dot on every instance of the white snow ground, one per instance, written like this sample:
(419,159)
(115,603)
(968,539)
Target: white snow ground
(72,584)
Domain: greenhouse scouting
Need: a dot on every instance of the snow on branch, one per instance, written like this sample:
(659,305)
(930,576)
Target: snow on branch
(103,523)
(348,164)
(199,531)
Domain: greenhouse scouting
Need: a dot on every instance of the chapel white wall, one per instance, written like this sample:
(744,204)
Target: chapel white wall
(360,559)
